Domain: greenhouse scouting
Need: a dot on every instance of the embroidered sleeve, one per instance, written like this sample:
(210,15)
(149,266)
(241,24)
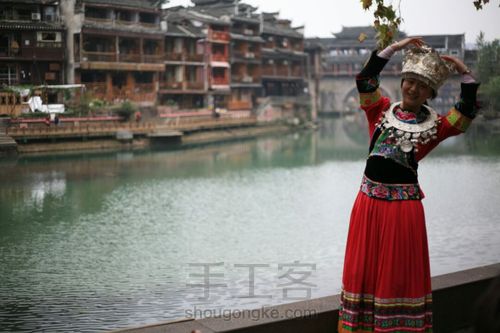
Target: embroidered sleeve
(461,115)
(368,80)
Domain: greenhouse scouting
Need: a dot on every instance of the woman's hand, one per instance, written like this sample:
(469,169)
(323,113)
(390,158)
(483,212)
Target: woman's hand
(459,65)
(417,41)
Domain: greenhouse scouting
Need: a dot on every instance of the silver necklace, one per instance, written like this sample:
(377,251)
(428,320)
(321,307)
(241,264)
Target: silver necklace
(408,136)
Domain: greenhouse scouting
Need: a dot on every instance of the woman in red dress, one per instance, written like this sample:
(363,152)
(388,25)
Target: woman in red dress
(386,284)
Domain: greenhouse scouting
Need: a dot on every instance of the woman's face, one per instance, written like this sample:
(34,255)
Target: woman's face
(415,93)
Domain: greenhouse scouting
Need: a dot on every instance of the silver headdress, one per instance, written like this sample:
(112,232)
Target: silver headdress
(426,65)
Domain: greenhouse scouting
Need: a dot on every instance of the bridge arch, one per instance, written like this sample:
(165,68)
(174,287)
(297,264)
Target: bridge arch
(351,100)
(339,94)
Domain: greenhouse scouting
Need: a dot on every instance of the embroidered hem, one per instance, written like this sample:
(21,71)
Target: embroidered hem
(391,191)
(362,312)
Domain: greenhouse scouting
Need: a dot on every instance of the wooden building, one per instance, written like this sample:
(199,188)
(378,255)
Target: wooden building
(31,49)
(198,40)
(119,50)
(283,57)
(184,82)
(245,49)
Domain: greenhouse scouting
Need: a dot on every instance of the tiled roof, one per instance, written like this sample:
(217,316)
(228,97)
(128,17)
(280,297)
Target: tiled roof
(193,14)
(354,32)
(313,43)
(273,29)
(183,30)
(230,10)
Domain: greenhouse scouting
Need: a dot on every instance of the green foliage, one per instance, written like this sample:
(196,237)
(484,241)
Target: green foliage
(488,72)
(491,91)
(488,65)
(125,110)
(387,20)
(86,105)
(33,115)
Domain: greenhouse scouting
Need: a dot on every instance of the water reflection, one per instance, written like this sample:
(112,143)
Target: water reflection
(103,241)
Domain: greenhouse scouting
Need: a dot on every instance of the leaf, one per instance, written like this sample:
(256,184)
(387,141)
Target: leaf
(362,36)
(366,4)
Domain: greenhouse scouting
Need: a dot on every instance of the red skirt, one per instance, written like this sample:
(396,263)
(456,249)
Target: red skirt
(386,285)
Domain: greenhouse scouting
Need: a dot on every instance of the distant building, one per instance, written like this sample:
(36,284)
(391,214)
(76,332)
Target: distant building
(284,59)
(117,48)
(247,55)
(218,55)
(31,43)
(32,48)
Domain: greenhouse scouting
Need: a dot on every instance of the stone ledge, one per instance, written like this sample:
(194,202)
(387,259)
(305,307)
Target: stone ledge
(454,297)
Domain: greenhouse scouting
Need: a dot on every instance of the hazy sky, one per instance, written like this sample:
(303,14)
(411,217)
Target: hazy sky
(426,17)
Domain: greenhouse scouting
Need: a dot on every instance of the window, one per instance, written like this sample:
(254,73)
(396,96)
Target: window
(48,39)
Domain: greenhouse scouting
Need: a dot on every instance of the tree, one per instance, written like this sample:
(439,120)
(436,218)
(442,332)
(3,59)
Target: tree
(488,64)
(488,72)
(491,93)
(387,21)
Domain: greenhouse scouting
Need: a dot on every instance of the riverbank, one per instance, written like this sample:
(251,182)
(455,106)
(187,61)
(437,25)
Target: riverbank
(112,135)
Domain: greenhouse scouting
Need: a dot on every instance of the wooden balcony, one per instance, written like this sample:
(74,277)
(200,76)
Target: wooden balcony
(99,20)
(195,57)
(152,58)
(149,25)
(239,105)
(195,85)
(144,87)
(171,85)
(99,56)
(220,81)
(183,86)
(245,79)
(40,51)
(184,57)
(246,54)
(173,56)
(219,57)
(282,71)
(130,57)
(124,23)
(297,72)
(269,71)
(222,36)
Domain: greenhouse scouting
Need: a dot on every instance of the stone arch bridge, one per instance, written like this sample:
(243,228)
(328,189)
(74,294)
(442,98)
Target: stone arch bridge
(338,94)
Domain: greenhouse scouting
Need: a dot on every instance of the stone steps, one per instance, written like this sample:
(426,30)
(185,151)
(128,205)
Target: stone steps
(6,142)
